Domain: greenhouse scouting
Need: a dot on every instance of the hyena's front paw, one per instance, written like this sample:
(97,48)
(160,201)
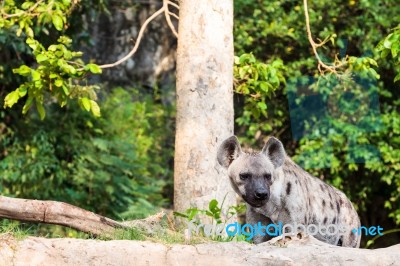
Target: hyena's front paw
(284,240)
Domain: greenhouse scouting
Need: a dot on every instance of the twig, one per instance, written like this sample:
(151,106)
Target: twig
(22,12)
(174,15)
(163,9)
(314,46)
(134,49)
(173,4)
(168,18)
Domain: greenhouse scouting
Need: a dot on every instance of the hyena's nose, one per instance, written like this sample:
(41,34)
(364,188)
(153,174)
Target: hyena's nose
(261,194)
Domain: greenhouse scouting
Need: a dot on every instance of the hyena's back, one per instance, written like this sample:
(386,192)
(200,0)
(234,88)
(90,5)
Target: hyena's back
(323,204)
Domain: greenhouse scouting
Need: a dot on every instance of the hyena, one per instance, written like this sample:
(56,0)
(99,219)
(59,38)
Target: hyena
(276,189)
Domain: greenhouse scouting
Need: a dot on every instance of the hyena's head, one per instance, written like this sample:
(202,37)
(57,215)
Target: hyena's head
(252,174)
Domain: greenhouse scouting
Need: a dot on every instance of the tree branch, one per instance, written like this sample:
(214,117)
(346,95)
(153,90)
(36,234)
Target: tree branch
(314,46)
(5,15)
(168,18)
(164,9)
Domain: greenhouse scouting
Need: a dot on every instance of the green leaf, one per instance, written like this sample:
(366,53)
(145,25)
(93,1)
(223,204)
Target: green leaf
(40,109)
(22,70)
(53,48)
(27,5)
(57,21)
(22,90)
(11,98)
(32,43)
(95,69)
(35,75)
(385,53)
(213,204)
(29,31)
(192,213)
(58,82)
(262,105)
(264,86)
(397,78)
(65,89)
(373,72)
(64,40)
(242,72)
(85,103)
(387,43)
(69,68)
(95,108)
(27,105)
(395,49)
(41,58)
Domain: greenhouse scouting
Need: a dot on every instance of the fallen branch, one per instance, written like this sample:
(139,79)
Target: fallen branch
(60,213)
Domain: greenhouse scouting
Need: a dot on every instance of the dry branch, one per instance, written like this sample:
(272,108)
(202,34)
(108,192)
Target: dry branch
(322,67)
(164,9)
(54,212)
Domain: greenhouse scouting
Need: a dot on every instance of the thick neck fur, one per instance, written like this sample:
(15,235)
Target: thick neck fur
(286,177)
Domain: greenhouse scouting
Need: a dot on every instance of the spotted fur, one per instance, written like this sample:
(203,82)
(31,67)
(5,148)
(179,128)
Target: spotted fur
(291,195)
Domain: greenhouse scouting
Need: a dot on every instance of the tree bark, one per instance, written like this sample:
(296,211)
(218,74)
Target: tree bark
(204,102)
(54,212)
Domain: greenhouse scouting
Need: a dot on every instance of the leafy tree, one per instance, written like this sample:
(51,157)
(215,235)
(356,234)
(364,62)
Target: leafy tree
(58,71)
(99,164)
(313,113)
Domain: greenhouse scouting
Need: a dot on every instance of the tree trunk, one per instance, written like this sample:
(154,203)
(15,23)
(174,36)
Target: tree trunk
(204,102)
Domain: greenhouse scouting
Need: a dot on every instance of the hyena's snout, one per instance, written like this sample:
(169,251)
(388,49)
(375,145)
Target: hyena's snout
(261,194)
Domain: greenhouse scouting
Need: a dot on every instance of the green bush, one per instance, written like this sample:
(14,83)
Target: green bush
(115,165)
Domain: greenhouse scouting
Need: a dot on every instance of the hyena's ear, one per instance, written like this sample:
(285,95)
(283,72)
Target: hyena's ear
(274,150)
(228,151)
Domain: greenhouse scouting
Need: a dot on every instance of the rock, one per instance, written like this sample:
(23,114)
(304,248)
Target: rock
(301,250)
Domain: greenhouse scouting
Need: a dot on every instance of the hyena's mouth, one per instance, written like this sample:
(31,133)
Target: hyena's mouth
(258,204)
(255,203)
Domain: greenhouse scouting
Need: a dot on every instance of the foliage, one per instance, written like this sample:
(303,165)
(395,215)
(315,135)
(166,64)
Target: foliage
(314,115)
(98,164)
(257,82)
(57,71)
(391,45)
(276,30)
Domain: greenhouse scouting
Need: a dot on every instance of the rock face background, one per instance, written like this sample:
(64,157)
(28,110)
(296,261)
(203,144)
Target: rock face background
(113,36)
(305,250)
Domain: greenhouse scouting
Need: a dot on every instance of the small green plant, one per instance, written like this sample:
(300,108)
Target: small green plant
(216,215)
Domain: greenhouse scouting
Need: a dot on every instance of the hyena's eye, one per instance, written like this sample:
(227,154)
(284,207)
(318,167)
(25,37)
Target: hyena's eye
(244,176)
(267,177)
